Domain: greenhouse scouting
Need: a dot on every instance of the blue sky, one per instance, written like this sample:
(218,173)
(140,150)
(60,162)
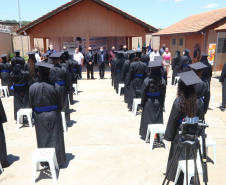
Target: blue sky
(158,13)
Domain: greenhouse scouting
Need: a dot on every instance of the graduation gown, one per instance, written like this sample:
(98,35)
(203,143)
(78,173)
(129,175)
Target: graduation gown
(48,124)
(175,68)
(75,72)
(32,79)
(172,130)
(152,107)
(118,71)
(223,81)
(137,74)
(69,64)
(5,70)
(3,119)
(21,90)
(164,74)
(184,62)
(125,78)
(113,65)
(58,75)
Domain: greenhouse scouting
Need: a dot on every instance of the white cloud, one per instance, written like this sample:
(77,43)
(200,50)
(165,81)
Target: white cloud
(211,6)
(178,0)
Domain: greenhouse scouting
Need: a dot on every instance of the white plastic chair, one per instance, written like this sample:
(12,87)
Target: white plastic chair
(177,78)
(182,167)
(210,143)
(24,112)
(136,102)
(6,91)
(76,89)
(155,129)
(1,169)
(64,121)
(120,86)
(44,155)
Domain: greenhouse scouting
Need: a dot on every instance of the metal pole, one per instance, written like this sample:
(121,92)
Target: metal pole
(215,60)
(204,42)
(20,27)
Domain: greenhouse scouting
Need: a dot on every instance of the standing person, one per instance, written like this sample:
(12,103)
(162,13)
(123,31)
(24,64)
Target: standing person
(113,65)
(111,57)
(125,74)
(5,70)
(80,59)
(3,150)
(120,48)
(175,66)
(185,61)
(154,54)
(118,69)
(137,74)
(167,60)
(58,74)
(51,50)
(17,59)
(145,57)
(223,82)
(75,68)
(125,52)
(46,100)
(185,105)
(196,55)
(152,98)
(32,68)
(37,55)
(101,61)
(89,56)
(162,50)
(20,80)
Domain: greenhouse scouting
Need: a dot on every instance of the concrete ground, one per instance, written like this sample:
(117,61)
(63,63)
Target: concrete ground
(103,145)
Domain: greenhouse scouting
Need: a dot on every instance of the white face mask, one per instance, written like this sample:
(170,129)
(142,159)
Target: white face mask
(51,48)
(76,51)
(36,50)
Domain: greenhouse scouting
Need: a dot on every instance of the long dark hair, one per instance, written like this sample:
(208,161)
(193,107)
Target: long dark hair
(155,80)
(17,74)
(187,99)
(31,62)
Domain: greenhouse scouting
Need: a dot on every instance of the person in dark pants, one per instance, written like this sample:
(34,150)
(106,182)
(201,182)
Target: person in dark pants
(89,57)
(111,57)
(101,61)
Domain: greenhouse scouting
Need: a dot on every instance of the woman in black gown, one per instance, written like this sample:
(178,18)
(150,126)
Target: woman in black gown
(223,81)
(186,105)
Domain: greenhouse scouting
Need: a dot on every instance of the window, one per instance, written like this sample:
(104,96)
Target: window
(174,42)
(181,42)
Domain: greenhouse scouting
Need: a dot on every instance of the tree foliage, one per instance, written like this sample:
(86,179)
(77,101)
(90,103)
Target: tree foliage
(23,23)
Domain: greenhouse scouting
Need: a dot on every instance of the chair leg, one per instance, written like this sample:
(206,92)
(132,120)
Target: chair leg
(152,138)
(147,135)
(166,144)
(177,174)
(1,168)
(53,170)
(55,162)
(135,109)
(161,137)
(18,121)
(214,155)
(29,120)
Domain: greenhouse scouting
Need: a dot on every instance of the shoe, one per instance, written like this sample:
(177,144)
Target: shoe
(222,109)
(5,164)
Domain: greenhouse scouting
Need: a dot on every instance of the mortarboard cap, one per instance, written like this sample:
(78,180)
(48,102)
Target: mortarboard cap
(45,54)
(204,55)
(44,64)
(4,55)
(155,63)
(187,50)
(56,56)
(144,47)
(138,53)
(189,78)
(158,58)
(30,53)
(16,51)
(131,52)
(178,52)
(198,66)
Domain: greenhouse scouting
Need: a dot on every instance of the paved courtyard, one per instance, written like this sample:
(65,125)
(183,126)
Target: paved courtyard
(103,145)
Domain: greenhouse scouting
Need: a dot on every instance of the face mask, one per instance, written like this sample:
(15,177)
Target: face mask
(76,51)
(164,48)
(125,49)
(90,50)
(155,51)
(113,50)
(36,50)
(51,48)
(101,50)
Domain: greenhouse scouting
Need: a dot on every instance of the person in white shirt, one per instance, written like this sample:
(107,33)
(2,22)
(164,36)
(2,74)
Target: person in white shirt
(37,56)
(154,54)
(80,59)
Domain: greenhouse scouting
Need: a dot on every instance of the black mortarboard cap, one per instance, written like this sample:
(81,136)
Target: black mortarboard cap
(31,53)
(178,52)
(44,64)
(4,55)
(204,55)
(198,66)
(158,58)
(144,47)
(16,51)
(120,53)
(131,52)
(45,54)
(187,50)
(138,53)
(189,78)
(71,53)
(56,56)
(155,63)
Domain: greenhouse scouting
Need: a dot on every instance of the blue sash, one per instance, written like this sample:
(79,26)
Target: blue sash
(163,77)
(155,94)
(5,71)
(17,85)
(180,121)
(118,70)
(75,70)
(202,98)
(138,75)
(61,83)
(46,109)
(185,65)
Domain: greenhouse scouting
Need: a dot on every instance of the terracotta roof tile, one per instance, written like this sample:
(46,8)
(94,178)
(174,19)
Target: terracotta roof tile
(195,23)
(221,28)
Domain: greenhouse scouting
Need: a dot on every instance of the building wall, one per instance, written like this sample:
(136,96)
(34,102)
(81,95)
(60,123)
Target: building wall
(165,40)
(191,40)
(6,45)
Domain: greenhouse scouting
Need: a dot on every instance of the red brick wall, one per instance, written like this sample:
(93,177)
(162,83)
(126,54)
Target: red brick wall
(165,40)
(191,40)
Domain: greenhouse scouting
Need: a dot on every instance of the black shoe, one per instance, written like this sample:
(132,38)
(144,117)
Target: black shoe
(5,164)
(222,109)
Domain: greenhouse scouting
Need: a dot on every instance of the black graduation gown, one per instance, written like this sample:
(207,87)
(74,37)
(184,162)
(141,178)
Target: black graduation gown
(184,62)
(172,130)
(75,72)
(69,64)
(164,74)
(145,58)
(124,77)
(3,119)
(48,125)
(113,65)
(175,68)
(32,79)
(57,74)
(17,60)
(152,108)
(21,90)
(118,71)
(223,81)
(135,82)
(5,75)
